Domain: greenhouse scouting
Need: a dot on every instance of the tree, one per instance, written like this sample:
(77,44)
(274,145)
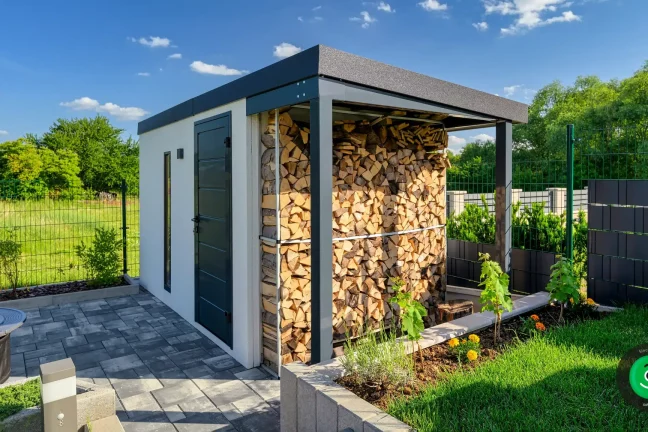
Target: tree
(104,158)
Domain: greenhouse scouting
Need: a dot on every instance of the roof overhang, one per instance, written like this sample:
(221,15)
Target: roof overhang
(350,78)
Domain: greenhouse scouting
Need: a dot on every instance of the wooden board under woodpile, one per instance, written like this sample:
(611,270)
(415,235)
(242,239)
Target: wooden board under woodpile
(388,176)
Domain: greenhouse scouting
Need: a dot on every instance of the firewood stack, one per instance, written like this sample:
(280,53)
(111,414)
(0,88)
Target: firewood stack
(388,176)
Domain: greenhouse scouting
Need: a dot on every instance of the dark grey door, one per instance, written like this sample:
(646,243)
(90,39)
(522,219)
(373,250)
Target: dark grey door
(213,225)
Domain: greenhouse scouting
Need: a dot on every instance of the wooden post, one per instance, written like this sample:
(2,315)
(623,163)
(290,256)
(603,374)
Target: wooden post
(503,186)
(321,122)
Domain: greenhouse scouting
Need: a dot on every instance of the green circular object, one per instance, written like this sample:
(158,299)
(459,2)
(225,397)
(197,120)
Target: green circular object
(632,377)
(638,377)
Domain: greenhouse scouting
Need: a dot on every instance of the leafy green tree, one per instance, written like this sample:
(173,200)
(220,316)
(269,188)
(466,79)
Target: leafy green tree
(104,158)
(495,296)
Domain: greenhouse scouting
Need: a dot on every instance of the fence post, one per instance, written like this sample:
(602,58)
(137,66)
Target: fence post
(569,237)
(456,202)
(124,227)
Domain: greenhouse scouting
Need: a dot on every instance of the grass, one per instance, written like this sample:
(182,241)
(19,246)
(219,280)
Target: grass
(562,381)
(14,399)
(49,230)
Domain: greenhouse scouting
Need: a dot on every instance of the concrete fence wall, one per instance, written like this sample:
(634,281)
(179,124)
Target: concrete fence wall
(554,199)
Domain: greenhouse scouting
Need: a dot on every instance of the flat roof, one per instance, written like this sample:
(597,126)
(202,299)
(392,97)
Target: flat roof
(328,62)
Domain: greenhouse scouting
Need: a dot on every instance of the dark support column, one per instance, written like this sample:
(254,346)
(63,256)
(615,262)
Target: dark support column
(503,188)
(321,146)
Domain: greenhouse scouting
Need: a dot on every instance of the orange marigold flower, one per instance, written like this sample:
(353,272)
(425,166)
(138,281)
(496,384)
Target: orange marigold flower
(453,342)
(535,317)
(472,355)
(539,326)
(463,341)
(474,338)
(591,302)
(571,300)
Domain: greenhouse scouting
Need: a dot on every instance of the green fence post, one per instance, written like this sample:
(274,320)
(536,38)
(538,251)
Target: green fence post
(569,237)
(124,226)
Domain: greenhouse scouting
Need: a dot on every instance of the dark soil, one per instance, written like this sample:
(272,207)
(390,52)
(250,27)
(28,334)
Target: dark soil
(438,361)
(62,288)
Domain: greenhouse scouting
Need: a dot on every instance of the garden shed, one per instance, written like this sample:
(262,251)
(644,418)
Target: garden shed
(276,208)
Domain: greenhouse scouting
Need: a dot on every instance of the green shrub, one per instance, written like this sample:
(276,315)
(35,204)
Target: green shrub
(378,359)
(474,224)
(101,259)
(10,253)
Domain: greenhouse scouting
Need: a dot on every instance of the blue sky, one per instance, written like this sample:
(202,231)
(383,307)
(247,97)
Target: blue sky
(75,58)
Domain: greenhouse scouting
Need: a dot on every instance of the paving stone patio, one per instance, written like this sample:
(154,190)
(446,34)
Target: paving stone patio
(167,375)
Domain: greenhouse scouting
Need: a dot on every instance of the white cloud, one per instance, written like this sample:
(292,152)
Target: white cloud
(284,50)
(385,7)
(3,132)
(300,19)
(82,104)
(316,8)
(204,68)
(482,137)
(120,113)
(525,92)
(529,13)
(152,41)
(365,18)
(176,56)
(433,5)
(143,74)
(481,26)
(511,90)
(456,143)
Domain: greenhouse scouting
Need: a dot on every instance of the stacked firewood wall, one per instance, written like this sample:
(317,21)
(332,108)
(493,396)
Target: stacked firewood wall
(388,177)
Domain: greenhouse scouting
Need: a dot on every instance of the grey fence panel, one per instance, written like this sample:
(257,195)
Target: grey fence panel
(530,270)
(617,266)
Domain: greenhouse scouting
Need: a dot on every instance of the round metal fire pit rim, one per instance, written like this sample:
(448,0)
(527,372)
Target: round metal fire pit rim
(10,320)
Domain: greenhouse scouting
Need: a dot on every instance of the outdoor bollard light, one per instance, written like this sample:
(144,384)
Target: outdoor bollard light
(58,396)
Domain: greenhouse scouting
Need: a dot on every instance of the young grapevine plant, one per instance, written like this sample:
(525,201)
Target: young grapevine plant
(563,284)
(411,312)
(495,296)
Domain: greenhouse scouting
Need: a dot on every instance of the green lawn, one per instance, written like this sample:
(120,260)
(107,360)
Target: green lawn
(49,229)
(15,398)
(563,381)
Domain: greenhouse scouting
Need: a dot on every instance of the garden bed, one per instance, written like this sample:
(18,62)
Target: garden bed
(55,289)
(438,360)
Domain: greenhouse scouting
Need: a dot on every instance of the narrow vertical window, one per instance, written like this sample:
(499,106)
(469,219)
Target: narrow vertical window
(167,221)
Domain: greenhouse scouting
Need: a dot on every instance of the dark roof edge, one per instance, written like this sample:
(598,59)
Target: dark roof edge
(359,70)
(287,71)
(328,62)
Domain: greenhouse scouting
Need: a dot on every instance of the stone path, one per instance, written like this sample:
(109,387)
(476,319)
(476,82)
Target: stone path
(167,375)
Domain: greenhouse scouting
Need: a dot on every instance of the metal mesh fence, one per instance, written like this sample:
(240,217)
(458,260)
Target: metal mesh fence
(49,225)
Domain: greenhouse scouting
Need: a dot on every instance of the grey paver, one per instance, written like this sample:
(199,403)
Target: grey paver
(228,393)
(121,363)
(173,395)
(140,405)
(168,377)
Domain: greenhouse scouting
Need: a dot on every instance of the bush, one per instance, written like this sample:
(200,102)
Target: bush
(378,360)
(495,296)
(10,253)
(411,312)
(474,224)
(101,259)
(563,285)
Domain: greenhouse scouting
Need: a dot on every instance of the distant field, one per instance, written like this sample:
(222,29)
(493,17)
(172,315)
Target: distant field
(49,230)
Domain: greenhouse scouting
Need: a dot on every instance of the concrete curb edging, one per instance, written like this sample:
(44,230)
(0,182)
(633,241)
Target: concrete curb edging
(93,403)
(312,400)
(73,297)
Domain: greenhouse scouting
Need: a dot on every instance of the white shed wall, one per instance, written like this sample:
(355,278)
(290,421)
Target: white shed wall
(153,144)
